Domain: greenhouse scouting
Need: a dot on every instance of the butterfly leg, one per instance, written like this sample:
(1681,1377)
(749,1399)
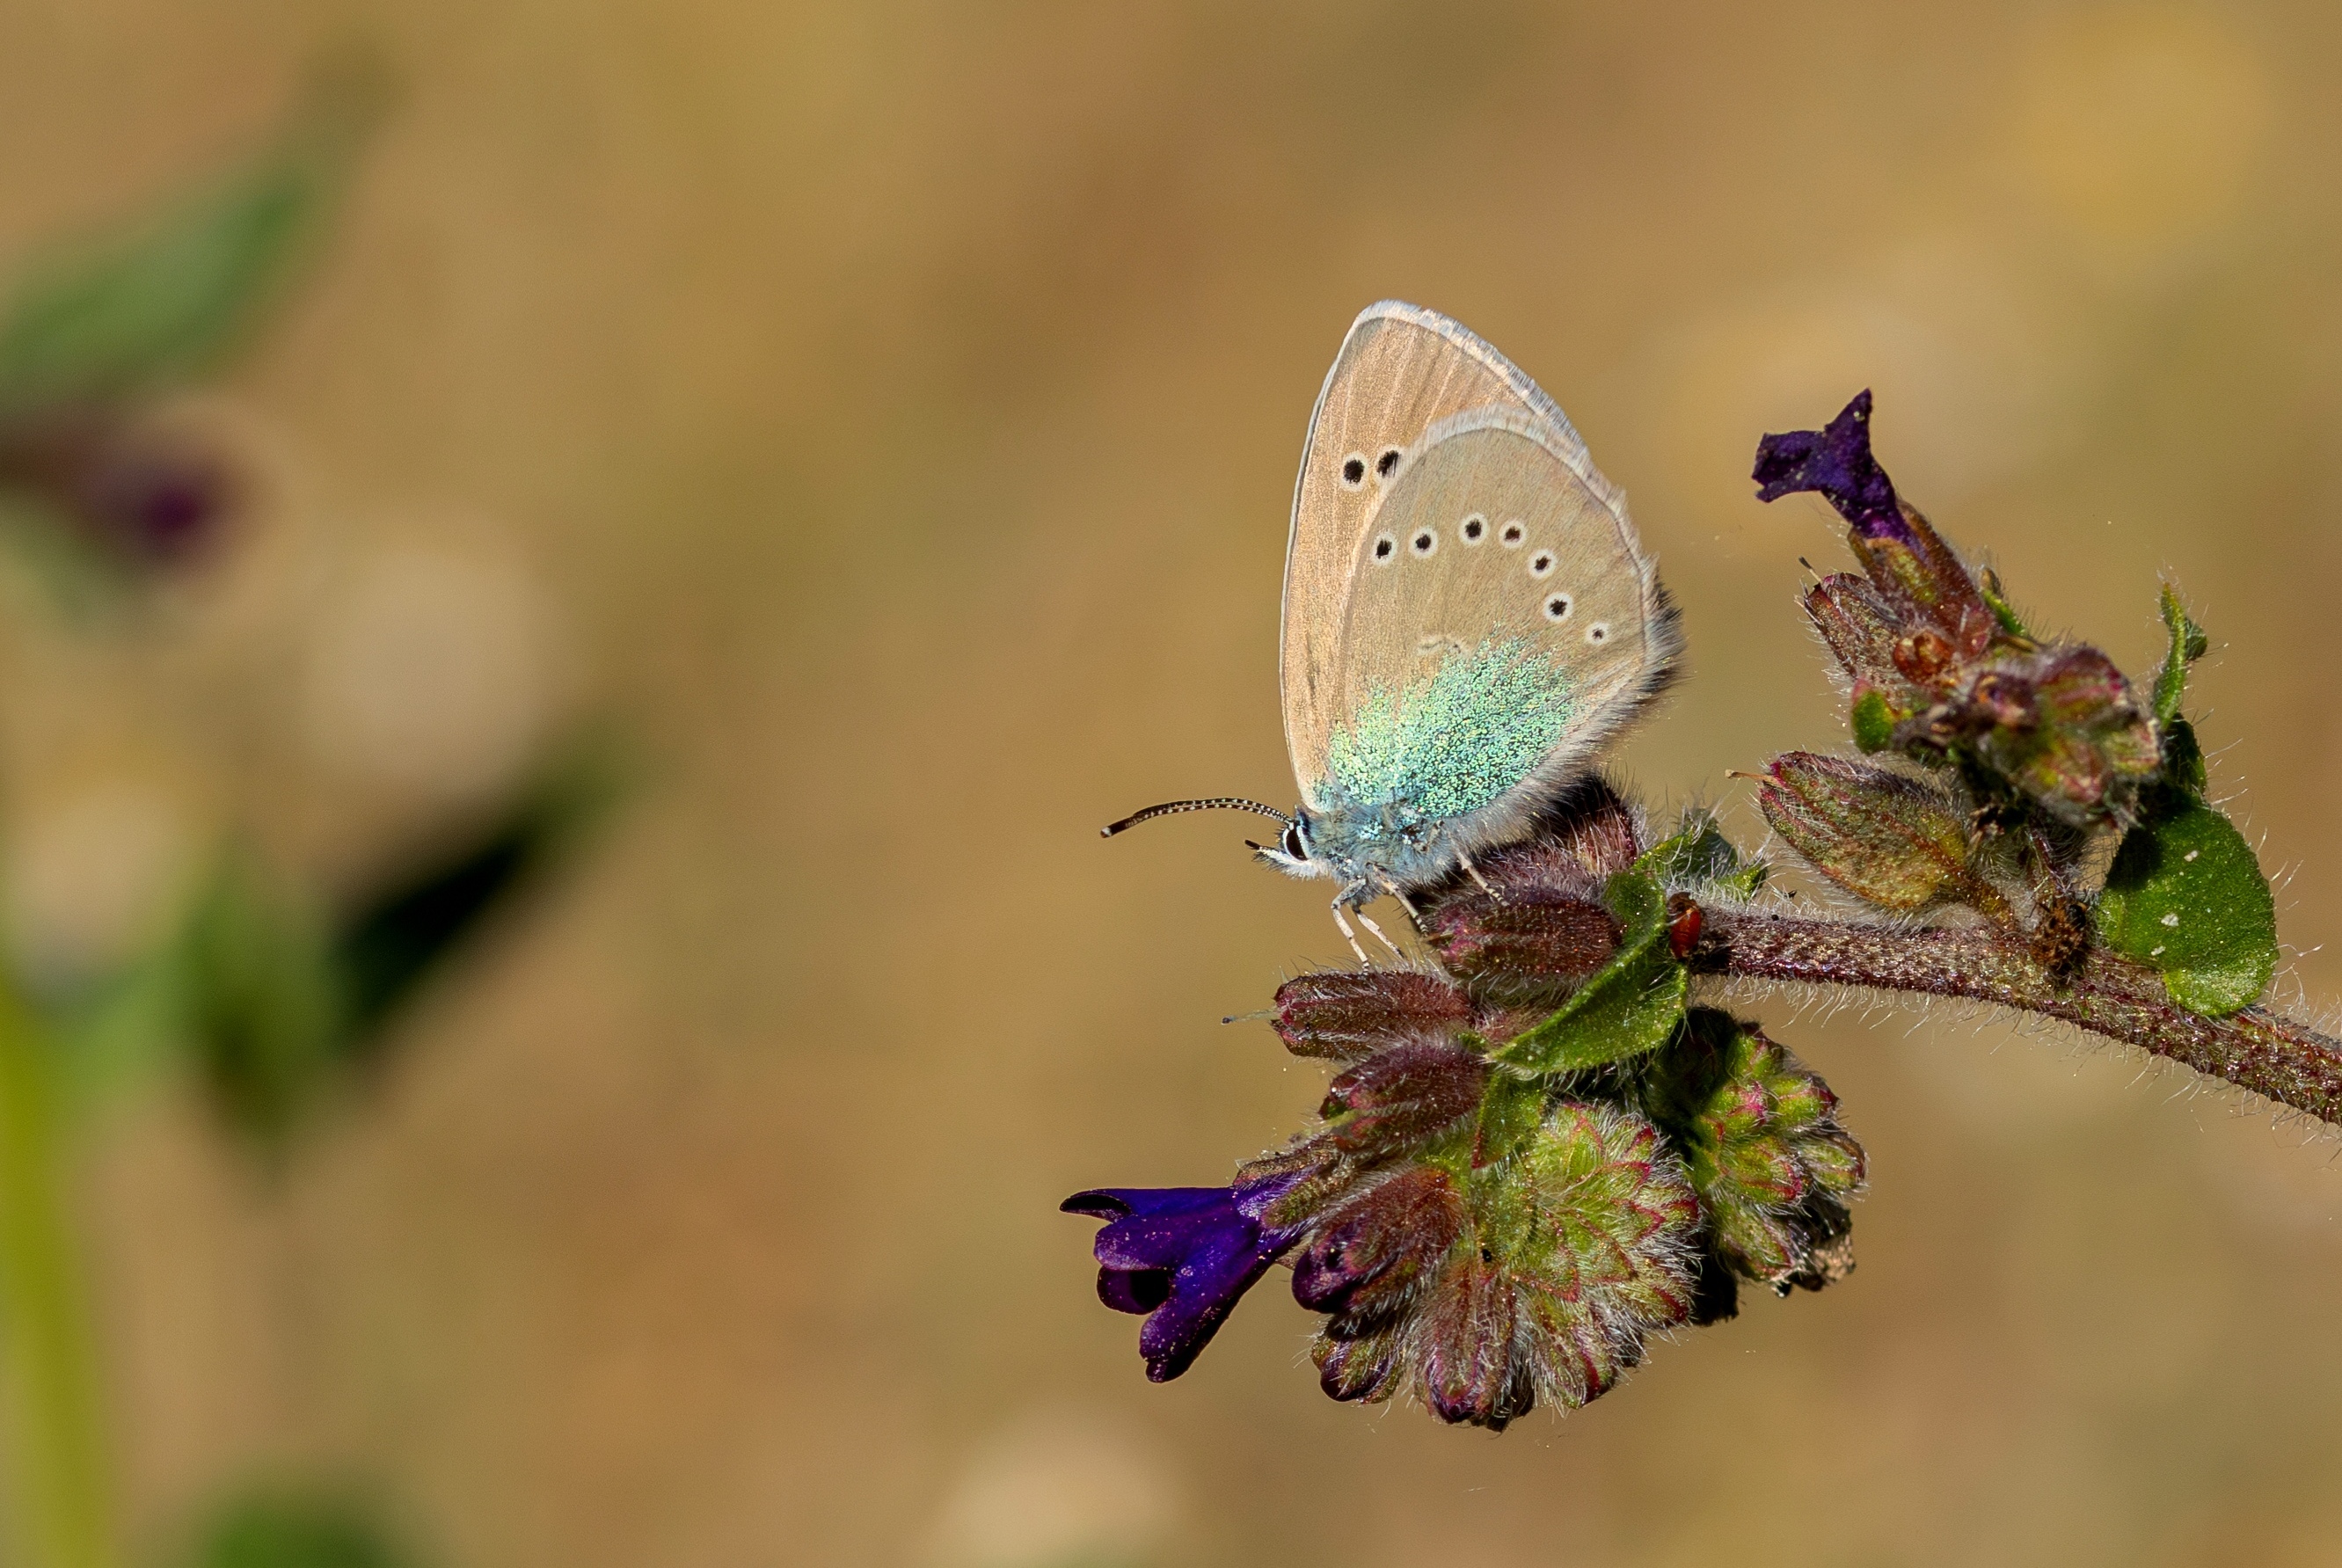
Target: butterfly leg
(1349,935)
(1378,936)
(1414,916)
(1474,872)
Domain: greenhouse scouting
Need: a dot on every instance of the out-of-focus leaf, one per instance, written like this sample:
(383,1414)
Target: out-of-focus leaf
(294,1529)
(2185,894)
(397,939)
(263,1003)
(167,302)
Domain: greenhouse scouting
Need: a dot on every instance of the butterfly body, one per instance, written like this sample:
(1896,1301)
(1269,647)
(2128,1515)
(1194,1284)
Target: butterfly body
(1468,617)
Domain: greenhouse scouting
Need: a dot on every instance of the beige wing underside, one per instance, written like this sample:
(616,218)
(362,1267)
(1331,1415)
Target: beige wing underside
(1473,437)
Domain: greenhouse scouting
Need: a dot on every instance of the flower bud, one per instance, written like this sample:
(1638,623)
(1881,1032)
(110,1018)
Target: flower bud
(1470,1366)
(1894,841)
(1585,840)
(1347,1014)
(1540,944)
(2062,724)
(1396,1099)
(1363,1368)
(1538,1280)
(1373,1250)
(1859,631)
(1773,1167)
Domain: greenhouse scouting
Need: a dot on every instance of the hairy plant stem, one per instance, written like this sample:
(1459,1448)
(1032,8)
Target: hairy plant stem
(2271,1056)
(59,1489)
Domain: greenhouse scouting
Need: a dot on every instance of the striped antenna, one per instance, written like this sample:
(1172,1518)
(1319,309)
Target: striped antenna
(1173,808)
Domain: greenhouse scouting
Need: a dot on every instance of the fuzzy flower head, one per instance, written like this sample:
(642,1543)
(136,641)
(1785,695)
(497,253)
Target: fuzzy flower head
(1529,1159)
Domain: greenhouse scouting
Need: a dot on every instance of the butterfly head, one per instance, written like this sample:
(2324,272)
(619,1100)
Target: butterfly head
(1292,853)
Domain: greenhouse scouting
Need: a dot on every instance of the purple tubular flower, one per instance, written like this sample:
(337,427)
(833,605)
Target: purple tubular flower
(1837,462)
(1183,1256)
(1920,582)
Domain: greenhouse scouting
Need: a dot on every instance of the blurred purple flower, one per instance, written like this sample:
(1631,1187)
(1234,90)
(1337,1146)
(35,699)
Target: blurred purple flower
(145,499)
(1184,1257)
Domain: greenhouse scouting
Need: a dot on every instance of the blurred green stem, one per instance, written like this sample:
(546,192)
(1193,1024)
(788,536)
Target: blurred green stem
(59,1490)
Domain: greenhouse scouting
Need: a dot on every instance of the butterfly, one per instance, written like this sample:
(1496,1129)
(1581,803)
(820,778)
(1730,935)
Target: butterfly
(1468,617)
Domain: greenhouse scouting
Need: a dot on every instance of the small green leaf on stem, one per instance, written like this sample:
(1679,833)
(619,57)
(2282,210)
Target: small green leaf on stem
(2185,895)
(1988,585)
(1630,1007)
(1698,858)
(2188,645)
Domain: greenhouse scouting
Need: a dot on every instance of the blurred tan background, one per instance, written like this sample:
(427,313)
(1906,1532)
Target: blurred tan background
(889,413)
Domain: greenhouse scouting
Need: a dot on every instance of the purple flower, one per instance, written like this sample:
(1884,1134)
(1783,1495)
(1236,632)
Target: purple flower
(1836,461)
(1919,582)
(156,505)
(1184,1257)
(146,498)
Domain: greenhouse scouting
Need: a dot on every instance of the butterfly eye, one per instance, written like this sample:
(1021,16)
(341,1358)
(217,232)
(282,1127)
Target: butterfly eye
(1292,844)
(1473,528)
(1541,564)
(1385,547)
(1513,535)
(1354,471)
(1599,633)
(1387,464)
(1425,543)
(1557,607)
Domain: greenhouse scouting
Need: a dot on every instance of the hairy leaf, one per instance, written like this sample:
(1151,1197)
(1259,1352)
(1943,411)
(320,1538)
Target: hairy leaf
(2185,895)
(1628,1008)
(1698,858)
(2188,645)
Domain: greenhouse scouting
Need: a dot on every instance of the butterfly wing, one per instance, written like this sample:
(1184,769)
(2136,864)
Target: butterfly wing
(1468,615)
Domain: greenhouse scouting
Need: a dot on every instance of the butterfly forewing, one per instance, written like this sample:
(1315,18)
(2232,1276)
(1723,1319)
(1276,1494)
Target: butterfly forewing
(1480,531)
(1402,370)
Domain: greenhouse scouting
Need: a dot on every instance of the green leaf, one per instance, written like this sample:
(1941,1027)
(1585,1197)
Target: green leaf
(2183,758)
(2188,645)
(1629,1007)
(296,1529)
(1988,585)
(159,307)
(408,932)
(263,1001)
(1698,855)
(2185,895)
(1511,1110)
(1873,721)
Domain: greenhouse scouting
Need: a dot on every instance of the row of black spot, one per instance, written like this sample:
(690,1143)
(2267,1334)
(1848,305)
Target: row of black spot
(1473,529)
